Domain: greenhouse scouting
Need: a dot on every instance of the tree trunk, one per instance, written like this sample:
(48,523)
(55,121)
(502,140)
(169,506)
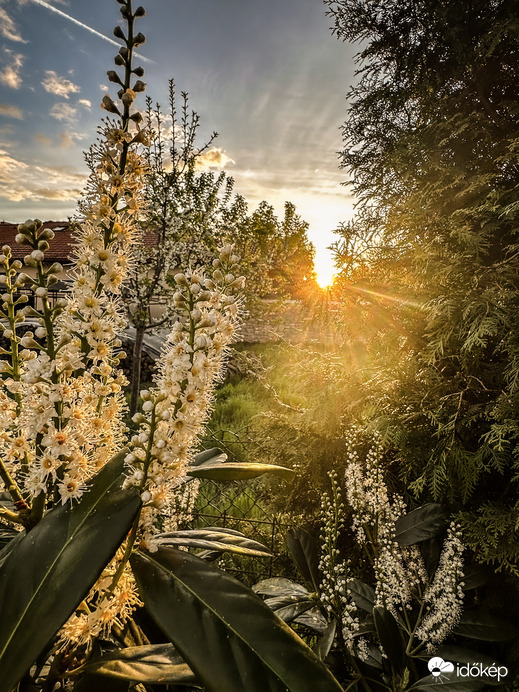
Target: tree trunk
(136,369)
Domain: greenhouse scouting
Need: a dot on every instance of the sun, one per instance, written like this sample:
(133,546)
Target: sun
(325,279)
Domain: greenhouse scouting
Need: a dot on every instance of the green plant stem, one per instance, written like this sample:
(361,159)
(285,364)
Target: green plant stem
(10,484)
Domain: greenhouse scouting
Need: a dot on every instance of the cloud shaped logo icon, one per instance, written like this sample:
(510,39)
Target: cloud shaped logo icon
(437,666)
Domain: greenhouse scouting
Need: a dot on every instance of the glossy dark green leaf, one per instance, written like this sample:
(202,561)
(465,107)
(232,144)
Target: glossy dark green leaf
(291,611)
(420,524)
(50,570)
(280,586)
(231,640)
(314,619)
(324,644)
(237,471)
(365,626)
(449,682)
(213,538)
(477,623)
(476,575)
(306,553)
(154,664)
(363,595)
(213,455)
(7,534)
(389,637)
(91,683)
(276,602)
(371,656)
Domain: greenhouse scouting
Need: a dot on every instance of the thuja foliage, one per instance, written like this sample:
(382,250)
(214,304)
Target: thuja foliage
(387,590)
(431,145)
(91,579)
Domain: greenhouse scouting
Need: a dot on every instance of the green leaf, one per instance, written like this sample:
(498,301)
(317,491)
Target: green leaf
(305,550)
(389,637)
(476,575)
(50,570)
(362,594)
(7,534)
(237,471)
(420,524)
(371,656)
(88,683)
(280,586)
(324,644)
(291,611)
(229,637)
(155,664)
(314,619)
(448,681)
(214,538)
(477,623)
(213,455)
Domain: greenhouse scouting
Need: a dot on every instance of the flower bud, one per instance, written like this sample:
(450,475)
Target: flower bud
(109,105)
(114,77)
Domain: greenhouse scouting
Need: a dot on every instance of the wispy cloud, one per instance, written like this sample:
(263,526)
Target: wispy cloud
(10,74)
(59,86)
(8,27)
(62,111)
(69,139)
(43,139)
(20,181)
(84,26)
(86,103)
(11,111)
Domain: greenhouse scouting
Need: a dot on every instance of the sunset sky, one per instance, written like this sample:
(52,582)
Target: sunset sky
(267,76)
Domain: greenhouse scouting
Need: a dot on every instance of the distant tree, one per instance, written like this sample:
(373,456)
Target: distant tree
(277,255)
(190,211)
(431,144)
(183,223)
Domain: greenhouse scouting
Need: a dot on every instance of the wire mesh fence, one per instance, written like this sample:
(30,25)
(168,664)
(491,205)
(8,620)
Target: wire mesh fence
(243,506)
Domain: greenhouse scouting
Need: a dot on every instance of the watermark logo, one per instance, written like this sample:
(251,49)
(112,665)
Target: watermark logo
(438,667)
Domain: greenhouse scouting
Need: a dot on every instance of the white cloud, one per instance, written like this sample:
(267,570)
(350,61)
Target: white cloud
(85,102)
(8,27)
(20,181)
(11,111)
(62,111)
(60,86)
(215,157)
(10,75)
(103,87)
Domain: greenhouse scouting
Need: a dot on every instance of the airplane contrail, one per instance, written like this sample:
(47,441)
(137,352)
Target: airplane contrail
(85,26)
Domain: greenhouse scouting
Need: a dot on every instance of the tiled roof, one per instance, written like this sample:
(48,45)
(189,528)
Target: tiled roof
(61,246)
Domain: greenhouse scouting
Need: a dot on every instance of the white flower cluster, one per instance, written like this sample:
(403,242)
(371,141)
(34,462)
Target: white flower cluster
(374,517)
(334,571)
(175,410)
(61,398)
(104,608)
(444,596)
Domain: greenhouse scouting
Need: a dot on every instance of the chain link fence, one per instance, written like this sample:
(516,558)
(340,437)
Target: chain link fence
(243,506)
